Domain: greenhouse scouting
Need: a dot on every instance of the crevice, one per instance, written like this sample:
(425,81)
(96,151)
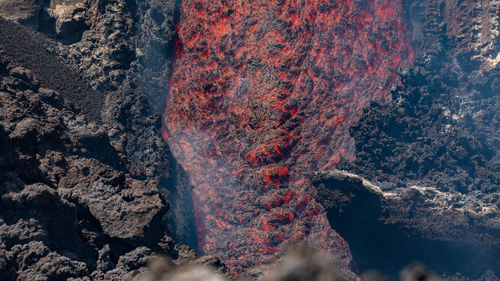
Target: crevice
(180,217)
(360,216)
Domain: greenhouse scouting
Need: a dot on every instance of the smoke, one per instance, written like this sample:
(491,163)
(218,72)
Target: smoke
(155,53)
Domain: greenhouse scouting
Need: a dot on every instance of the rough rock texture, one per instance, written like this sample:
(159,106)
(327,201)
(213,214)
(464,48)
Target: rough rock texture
(81,156)
(155,35)
(443,128)
(108,193)
(437,133)
(472,26)
(109,44)
(37,53)
(71,204)
(451,232)
(65,193)
(100,57)
(69,17)
(98,170)
(22,11)
(104,51)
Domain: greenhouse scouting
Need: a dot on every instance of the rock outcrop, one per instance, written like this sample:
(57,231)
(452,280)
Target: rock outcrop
(387,230)
(84,169)
(67,196)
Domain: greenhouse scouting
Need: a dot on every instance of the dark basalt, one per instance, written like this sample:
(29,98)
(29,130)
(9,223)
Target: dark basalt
(387,231)
(34,51)
(60,204)
(428,136)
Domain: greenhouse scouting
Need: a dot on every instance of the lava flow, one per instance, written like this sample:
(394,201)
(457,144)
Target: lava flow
(262,95)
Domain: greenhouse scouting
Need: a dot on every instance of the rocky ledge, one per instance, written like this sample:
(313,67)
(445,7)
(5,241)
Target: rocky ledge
(452,231)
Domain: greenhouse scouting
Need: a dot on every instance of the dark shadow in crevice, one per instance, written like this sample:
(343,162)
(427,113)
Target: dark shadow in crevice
(356,214)
(180,219)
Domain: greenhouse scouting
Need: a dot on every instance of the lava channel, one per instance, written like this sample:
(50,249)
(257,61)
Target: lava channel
(262,95)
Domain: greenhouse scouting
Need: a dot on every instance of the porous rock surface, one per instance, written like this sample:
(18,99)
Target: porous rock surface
(62,206)
(432,153)
(22,11)
(443,229)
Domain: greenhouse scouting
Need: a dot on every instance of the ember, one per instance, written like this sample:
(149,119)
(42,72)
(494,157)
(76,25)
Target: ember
(263,93)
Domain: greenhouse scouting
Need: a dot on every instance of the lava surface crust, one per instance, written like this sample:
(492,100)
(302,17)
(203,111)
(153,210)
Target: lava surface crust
(262,94)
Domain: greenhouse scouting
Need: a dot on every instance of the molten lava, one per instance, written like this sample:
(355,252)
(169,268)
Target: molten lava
(262,95)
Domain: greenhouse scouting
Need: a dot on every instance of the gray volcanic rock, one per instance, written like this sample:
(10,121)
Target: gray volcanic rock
(103,55)
(425,210)
(128,119)
(57,217)
(81,155)
(105,49)
(22,11)
(434,148)
(127,140)
(79,198)
(134,129)
(53,267)
(155,48)
(125,208)
(130,266)
(38,56)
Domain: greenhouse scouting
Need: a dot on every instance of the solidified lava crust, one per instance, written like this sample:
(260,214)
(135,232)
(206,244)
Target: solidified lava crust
(263,93)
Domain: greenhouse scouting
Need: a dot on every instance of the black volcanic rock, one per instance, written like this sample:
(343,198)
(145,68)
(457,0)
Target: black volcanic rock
(132,208)
(53,266)
(22,11)
(434,148)
(36,54)
(81,155)
(69,18)
(442,128)
(104,47)
(65,193)
(155,47)
(431,135)
(451,232)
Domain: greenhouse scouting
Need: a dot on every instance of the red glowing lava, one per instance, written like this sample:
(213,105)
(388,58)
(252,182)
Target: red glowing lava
(263,94)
